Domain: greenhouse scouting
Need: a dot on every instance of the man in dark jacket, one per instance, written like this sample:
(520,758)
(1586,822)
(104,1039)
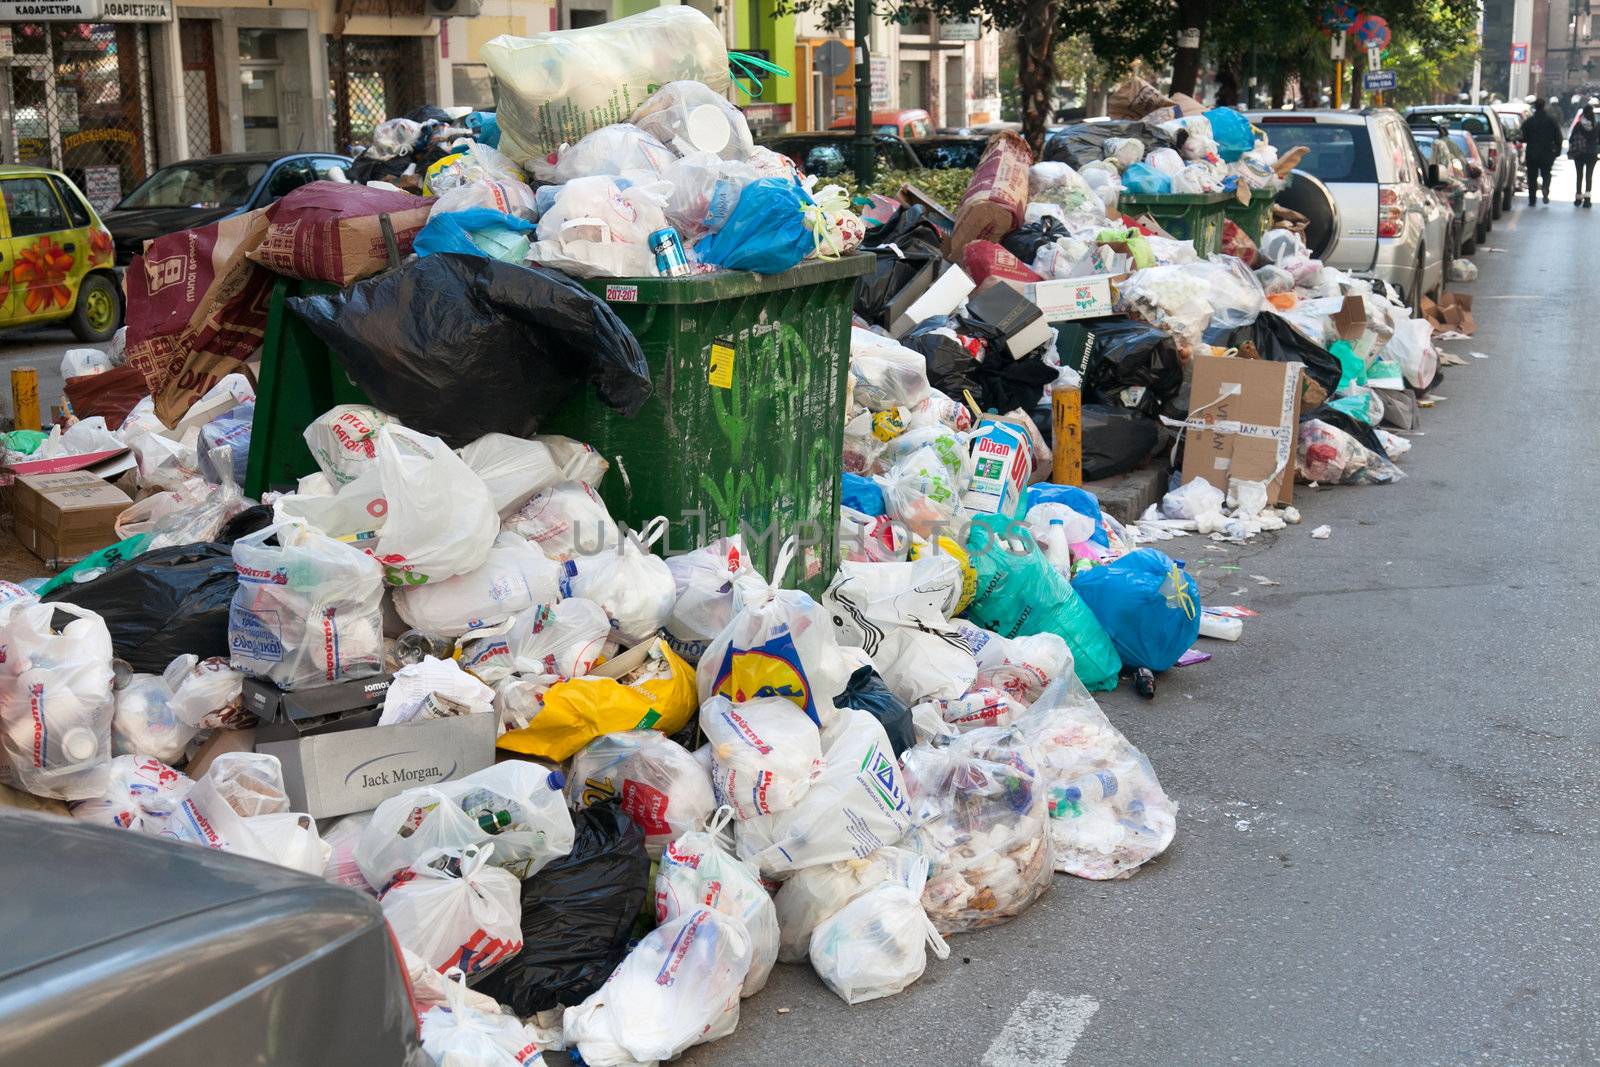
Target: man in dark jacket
(1541,144)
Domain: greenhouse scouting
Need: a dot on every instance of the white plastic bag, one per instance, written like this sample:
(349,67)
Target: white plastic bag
(898,613)
(56,703)
(342,869)
(678,987)
(617,149)
(344,441)
(704,581)
(144,724)
(780,642)
(1108,812)
(239,806)
(566,520)
(515,575)
(983,821)
(308,609)
(663,788)
(250,782)
(975,709)
(1023,667)
(141,795)
(922,493)
(596,209)
(207,694)
(764,754)
(698,872)
(1193,499)
(634,586)
(454,910)
(79,439)
(290,839)
(80,361)
(705,190)
(855,806)
(813,894)
(691,117)
(552,88)
(406,826)
(1058,183)
(564,640)
(507,196)
(1412,347)
(459,1033)
(876,945)
(516,468)
(884,374)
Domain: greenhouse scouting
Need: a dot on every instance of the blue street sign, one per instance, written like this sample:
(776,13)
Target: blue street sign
(1378,81)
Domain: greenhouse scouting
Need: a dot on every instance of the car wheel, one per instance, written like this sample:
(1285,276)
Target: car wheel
(1416,284)
(1480,232)
(99,310)
(1510,198)
(1494,212)
(1469,245)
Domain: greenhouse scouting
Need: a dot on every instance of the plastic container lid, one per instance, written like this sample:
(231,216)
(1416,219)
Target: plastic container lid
(78,745)
(707,128)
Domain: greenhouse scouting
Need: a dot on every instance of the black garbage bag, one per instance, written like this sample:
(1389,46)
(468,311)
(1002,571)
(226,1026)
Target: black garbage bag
(1116,440)
(903,246)
(1025,241)
(1125,363)
(459,346)
(951,368)
(162,604)
(1006,384)
(577,914)
(251,520)
(1275,339)
(868,691)
(1352,426)
(1083,144)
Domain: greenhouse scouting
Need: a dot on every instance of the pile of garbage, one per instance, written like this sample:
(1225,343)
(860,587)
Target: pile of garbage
(728,764)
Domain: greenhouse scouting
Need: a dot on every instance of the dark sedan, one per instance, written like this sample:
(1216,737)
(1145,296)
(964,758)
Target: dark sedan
(201,191)
(829,154)
(950,151)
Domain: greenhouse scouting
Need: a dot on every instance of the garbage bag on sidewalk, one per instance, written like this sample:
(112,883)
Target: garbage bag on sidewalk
(162,604)
(1128,364)
(679,987)
(1086,143)
(765,753)
(1148,604)
(813,894)
(447,334)
(577,914)
(144,724)
(766,233)
(516,575)
(1108,812)
(663,788)
(1020,593)
(704,580)
(454,910)
(876,945)
(1116,440)
(457,1033)
(983,822)
(868,692)
(696,871)
(1275,339)
(141,795)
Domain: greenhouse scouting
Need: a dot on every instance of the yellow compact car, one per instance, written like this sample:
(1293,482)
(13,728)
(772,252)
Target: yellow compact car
(55,256)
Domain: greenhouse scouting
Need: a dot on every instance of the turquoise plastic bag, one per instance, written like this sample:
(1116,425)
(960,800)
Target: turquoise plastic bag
(1148,604)
(103,560)
(1145,179)
(766,233)
(1232,132)
(475,231)
(1019,594)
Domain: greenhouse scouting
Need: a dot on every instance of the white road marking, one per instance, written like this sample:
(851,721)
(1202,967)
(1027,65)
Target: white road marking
(1042,1031)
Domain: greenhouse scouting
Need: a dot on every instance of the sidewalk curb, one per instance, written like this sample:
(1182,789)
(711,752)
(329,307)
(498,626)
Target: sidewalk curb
(1126,496)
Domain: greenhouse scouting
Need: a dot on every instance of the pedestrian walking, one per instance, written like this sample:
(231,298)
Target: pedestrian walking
(1583,146)
(1541,144)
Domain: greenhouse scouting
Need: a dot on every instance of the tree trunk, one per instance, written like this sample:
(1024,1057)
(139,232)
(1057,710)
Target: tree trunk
(1228,82)
(1036,69)
(1356,64)
(1186,60)
(1279,88)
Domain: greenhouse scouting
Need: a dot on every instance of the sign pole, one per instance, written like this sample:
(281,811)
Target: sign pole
(866,154)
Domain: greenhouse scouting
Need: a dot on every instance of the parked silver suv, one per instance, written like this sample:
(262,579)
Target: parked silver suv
(1390,224)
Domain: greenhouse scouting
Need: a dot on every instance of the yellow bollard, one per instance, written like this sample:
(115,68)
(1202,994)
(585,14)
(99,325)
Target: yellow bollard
(25,398)
(1066,416)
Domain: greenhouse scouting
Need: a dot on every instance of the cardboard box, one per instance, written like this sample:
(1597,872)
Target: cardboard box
(107,464)
(1452,311)
(64,517)
(1002,462)
(1244,416)
(941,298)
(1065,299)
(341,771)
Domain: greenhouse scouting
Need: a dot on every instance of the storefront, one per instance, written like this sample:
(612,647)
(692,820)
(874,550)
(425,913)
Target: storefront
(75,90)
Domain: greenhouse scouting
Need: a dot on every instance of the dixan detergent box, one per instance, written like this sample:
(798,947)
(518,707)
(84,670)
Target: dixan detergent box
(1001,462)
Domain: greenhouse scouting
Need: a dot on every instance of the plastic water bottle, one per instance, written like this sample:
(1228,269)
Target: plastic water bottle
(1057,550)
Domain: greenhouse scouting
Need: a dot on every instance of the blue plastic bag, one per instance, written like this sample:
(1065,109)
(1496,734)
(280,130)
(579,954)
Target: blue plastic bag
(1080,500)
(1143,178)
(1232,132)
(863,494)
(766,233)
(1020,594)
(485,127)
(1148,604)
(475,231)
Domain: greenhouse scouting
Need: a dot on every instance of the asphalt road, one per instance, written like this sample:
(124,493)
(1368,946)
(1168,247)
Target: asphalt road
(1386,848)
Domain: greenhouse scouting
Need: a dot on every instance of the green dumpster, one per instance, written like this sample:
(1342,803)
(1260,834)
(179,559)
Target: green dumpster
(745,429)
(1196,217)
(1253,218)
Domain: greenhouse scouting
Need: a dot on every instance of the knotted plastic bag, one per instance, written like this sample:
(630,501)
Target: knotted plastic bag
(697,871)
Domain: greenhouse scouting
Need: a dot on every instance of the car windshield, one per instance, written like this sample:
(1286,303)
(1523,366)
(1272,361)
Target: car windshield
(1463,141)
(206,183)
(1336,153)
(1474,122)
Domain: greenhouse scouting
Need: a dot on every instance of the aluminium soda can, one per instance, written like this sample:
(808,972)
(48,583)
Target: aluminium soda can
(668,248)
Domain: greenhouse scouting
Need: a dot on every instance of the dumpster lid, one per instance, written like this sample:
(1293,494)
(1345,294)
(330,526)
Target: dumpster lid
(726,284)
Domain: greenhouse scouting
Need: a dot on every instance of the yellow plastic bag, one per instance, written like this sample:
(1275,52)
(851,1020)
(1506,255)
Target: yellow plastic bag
(577,711)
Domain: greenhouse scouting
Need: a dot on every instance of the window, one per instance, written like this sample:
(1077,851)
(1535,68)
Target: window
(919,128)
(75,205)
(1335,153)
(323,167)
(199,184)
(32,207)
(579,18)
(287,178)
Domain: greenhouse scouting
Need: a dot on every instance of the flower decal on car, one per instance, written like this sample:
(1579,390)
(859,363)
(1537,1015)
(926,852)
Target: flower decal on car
(42,269)
(99,246)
